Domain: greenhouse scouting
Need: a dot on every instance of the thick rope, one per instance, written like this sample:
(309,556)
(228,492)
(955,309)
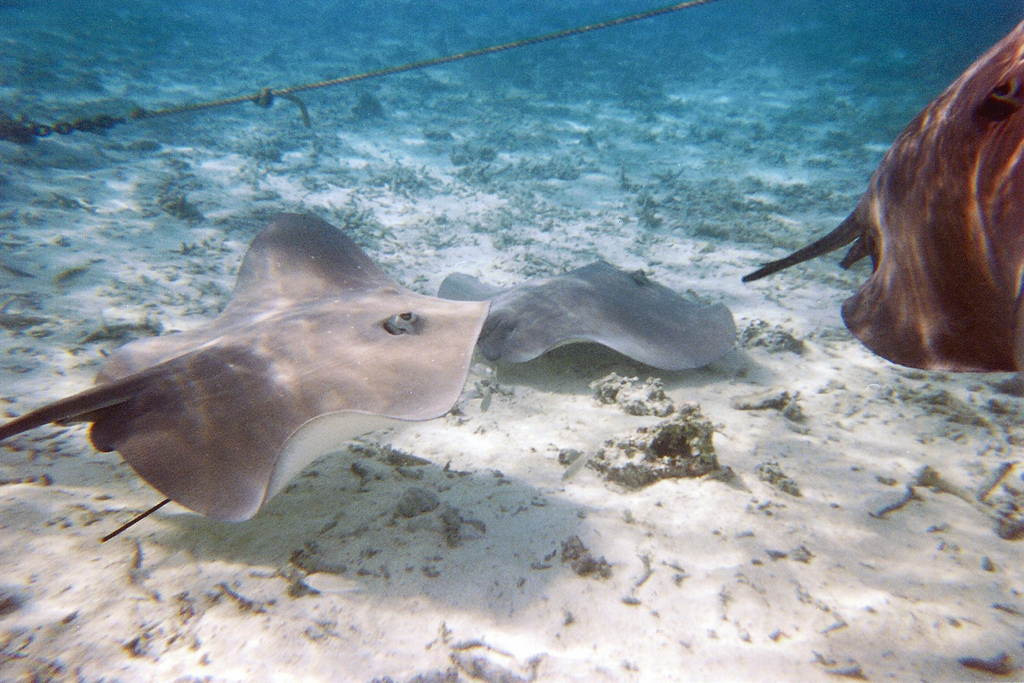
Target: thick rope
(26,131)
(558,35)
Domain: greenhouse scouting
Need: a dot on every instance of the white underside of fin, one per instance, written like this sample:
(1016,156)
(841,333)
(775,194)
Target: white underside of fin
(318,436)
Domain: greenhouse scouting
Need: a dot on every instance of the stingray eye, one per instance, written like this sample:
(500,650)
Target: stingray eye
(1004,101)
(403,323)
(640,277)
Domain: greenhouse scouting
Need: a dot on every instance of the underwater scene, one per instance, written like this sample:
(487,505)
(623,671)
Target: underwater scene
(448,371)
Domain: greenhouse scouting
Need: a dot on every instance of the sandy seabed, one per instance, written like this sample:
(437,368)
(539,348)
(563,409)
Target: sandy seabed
(801,567)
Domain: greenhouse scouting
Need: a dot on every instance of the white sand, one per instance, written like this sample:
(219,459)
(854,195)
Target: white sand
(742,585)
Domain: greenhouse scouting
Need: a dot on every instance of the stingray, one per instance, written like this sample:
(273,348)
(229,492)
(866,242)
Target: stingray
(627,312)
(317,345)
(943,222)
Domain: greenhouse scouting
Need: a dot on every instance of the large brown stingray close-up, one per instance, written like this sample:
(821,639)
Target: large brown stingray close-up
(317,346)
(943,223)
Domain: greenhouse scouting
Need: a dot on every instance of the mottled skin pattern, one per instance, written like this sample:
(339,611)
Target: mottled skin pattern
(942,222)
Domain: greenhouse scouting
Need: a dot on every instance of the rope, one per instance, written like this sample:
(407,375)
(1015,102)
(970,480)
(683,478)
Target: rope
(558,35)
(26,131)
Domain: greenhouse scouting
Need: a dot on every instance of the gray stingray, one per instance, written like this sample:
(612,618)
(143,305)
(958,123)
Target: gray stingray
(627,312)
(317,346)
(943,223)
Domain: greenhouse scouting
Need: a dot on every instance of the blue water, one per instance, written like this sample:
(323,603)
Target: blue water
(837,79)
(59,56)
(695,145)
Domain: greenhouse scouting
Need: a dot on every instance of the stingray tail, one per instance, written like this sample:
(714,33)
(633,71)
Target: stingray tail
(846,232)
(79,407)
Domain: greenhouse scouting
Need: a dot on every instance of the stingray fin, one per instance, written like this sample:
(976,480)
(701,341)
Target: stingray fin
(462,287)
(299,257)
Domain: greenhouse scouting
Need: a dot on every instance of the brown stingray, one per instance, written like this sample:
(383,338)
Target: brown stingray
(317,346)
(943,223)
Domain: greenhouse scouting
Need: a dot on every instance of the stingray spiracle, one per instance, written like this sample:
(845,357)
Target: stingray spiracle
(403,323)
